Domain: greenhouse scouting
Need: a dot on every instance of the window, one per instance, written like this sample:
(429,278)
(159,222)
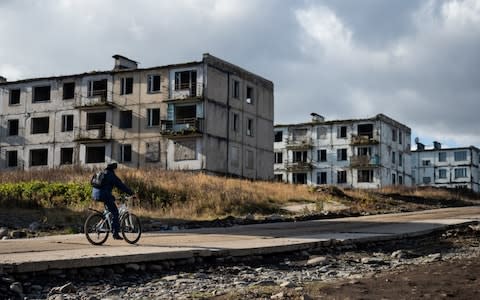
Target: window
(96,120)
(394,179)
(425,162)
(393,157)
(67,123)
(68,90)
(394,135)
(278,177)
(249,98)
(362,151)
(235,122)
(365,175)
(126,85)
(426,180)
(278,136)
(365,130)
(400,159)
(400,179)
(97,88)
(38,157)
(442,156)
(40,125)
(342,132)
(66,156)
(12,159)
(125,119)
(249,159)
(153,84)
(442,173)
(400,138)
(299,178)
(236,89)
(250,127)
(322,178)
(186,80)
(341,176)
(460,172)
(460,155)
(278,157)
(14,97)
(153,117)
(41,93)
(322,155)
(95,154)
(12,127)
(341,154)
(299,156)
(322,133)
(125,153)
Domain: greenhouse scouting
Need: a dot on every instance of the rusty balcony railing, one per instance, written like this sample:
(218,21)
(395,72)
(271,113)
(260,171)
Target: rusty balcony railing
(298,165)
(364,161)
(364,140)
(93,133)
(184,126)
(298,143)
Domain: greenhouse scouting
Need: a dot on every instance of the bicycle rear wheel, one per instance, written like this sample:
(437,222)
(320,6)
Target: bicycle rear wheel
(131,228)
(96,229)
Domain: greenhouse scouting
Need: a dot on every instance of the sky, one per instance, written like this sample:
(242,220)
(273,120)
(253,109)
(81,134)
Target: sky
(415,61)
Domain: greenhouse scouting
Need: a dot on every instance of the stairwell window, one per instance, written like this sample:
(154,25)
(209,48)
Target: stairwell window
(126,85)
(153,117)
(236,89)
(250,97)
(250,127)
(235,122)
(153,84)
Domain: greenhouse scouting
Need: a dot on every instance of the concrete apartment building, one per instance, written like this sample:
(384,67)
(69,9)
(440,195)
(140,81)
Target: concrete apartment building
(207,115)
(446,167)
(358,153)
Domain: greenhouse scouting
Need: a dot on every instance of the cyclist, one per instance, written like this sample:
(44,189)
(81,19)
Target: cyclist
(104,194)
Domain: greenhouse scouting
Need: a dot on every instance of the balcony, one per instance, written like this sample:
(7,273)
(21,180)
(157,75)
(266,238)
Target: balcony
(364,140)
(186,91)
(182,127)
(298,143)
(298,166)
(93,134)
(362,161)
(97,99)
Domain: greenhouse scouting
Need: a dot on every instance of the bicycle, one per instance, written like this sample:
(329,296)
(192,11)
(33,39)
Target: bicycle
(98,225)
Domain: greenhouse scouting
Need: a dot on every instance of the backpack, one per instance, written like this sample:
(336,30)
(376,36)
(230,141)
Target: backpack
(98,179)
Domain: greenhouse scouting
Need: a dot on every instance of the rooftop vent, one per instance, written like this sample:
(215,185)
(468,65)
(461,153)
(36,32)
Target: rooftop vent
(124,63)
(317,118)
(420,146)
(3,79)
(437,145)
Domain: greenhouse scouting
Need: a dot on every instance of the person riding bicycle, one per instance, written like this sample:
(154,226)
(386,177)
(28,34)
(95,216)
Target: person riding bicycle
(104,194)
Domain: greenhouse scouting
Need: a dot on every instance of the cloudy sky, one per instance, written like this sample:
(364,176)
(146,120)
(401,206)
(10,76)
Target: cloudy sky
(416,61)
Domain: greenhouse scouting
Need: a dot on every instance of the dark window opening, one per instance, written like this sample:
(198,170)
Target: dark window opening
(235,122)
(186,80)
(96,120)
(341,176)
(400,179)
(183,112)
(14,97)
(250,127)
(40,125)
(97,88)
(39,157)
(322,155)
(126,86)
(67,123)
(66,156)
(278,157)
(394,179)
(68,90)
(12,127)
(299,156)
(153,117)
(299,178)
(41,93)
(126,153)
(153,83)
(322,178)
(95,154)
(12,159)
(341,154)
(278,136)
(125,119)
(342,132)
(278,177)
(365,130)
(365,175)
(394,135)
(236,89)
(364,151)
(249,95)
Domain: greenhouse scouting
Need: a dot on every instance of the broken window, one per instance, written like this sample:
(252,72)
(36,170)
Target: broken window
(153,117)
(125,119)
(278,136)
(14,97)
(235,122)
(126,85)
(442,156)
(299,156)
(153,83)
(185,150)
(342,132)
(12,159)
(250,95)
(38,157)
(68,90)
(67,123)
(300,134)
(152,153)
(66,156)
(299,178)
(95,154)
(250,127)
(442,173)
(97,88)
(236,89)
(322,155)
(249,159)
(341,176)
(12,127)
(125,153)
(460,172)
(278,157)
(41,93)
(365,130)
(341,154)
(365,175)
(460,155)
(322,178)
(96,120)
(186,80)
(40,125)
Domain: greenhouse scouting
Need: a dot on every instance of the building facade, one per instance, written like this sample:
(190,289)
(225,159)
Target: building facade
(208,115)
(359,153)
(449,167)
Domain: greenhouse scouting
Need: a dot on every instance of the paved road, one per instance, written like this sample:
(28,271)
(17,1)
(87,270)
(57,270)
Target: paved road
(69,251)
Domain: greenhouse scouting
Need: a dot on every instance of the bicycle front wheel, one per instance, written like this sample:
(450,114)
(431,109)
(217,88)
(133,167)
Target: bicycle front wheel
(131,228)
(96,229)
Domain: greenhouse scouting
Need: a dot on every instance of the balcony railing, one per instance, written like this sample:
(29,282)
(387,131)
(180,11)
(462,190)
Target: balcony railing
(299,143)
(96,98)
(298,166)
(93,133)
(364,161)
(185,126)
(187,90)
(364,140)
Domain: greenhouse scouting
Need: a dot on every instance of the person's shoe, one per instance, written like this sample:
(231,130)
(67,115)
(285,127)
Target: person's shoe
(117,237)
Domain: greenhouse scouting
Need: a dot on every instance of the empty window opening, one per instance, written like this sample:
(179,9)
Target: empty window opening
(97,88)
(400,137)
(185,112)
(278,157)
(96,120)
(235,122)
(460,155)
(236,89)
(400,179)
(400,159)
(41,93)
(278,177)
(299,178)
(394,179)
(362,151)
(67,123)
(341,176)
(250,96)
(66,156)
(365,175)
(68,90)
(153,83)
(14,97)
(39,157)
(278,136)
(299,156)
(322,155)
(125,119)
(394,156)
(394,135)
(186,80)
(95,154)
(12,127)
(342,132)
(40,125)
(126,85)
(250,127)
(322,178)
(126,153)
(365,130)
(12,159)
(425,163)
(341,154)
(153,117)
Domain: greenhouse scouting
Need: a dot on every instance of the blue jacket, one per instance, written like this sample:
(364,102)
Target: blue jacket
(111,181)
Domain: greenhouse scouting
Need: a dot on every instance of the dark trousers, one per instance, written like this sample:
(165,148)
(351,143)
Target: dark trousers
(110,204)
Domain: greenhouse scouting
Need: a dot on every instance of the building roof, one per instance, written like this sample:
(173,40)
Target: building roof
(447,149)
